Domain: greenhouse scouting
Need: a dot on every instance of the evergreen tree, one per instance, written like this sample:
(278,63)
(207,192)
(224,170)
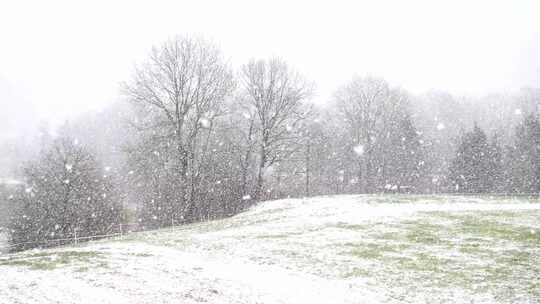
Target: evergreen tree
(496,169)
(471,168)
(525,157)
(404,166)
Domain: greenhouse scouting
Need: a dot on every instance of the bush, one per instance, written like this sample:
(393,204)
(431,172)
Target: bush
(67,194)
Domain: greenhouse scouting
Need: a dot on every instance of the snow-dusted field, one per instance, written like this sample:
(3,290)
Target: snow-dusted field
(336,249)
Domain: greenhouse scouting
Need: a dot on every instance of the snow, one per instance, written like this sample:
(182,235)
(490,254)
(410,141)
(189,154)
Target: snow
(359,150)
(10,182)
(205,123)
(440,126)
(285,251)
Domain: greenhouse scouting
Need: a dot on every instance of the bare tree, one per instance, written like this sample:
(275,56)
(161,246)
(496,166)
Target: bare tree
(368,106)
(67,194)
(276,99)
(180,90)
(243,138)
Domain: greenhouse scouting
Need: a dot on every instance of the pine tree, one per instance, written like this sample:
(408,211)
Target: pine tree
(525,157)
(405,157)
(496,170)
(470,170)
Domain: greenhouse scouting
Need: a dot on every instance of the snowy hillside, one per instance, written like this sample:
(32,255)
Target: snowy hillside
(336,249)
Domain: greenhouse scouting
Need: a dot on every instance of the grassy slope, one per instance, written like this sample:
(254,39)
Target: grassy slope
(387,249)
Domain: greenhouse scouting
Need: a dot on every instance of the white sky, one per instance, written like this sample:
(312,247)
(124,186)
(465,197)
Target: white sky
(65,57)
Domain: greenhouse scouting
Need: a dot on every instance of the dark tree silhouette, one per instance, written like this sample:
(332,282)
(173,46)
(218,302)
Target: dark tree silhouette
(471,170)
(525,157)
(67,194)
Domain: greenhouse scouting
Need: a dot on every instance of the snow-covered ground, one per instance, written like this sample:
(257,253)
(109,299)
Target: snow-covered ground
(335,249)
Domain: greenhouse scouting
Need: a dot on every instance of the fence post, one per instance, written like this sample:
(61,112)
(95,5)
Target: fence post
(75,232)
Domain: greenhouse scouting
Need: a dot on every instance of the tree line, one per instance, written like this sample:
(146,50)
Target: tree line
(194,139)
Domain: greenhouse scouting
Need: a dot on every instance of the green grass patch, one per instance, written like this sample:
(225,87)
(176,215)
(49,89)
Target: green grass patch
(370,250)
(423,262)
(272,236)
(472,248)
(354,227)
(142,255)
(357,272)
(492,225)
(52,260)
(426,237)
(81,269)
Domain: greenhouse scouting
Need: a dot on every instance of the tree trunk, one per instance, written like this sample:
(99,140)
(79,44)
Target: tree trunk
(260,176)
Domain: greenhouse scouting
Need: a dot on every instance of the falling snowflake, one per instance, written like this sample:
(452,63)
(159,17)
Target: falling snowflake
(440,126)
(246,197)
(517,111)
(205,123)
(359,150)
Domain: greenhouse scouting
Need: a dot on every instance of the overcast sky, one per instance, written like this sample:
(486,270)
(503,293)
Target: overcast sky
(65,57)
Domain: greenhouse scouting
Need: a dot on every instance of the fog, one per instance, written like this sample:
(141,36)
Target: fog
(62,58)
(269,151)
